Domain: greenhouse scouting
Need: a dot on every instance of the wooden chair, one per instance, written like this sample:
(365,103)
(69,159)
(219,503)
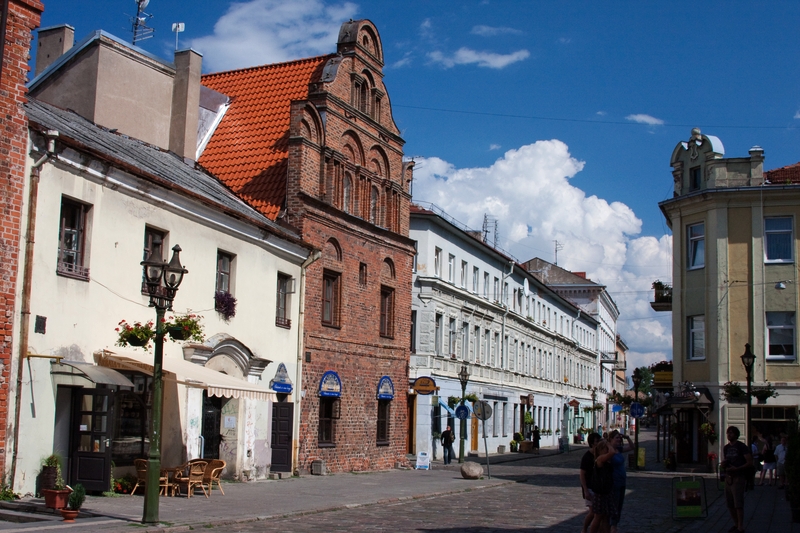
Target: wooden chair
(141,473)
(192,477)
(212,474)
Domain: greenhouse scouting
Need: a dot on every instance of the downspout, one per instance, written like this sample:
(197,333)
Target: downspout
(25,314)
(315,255)
(503,350)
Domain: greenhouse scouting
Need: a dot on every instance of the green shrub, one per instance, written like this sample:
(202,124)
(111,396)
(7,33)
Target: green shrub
(77,497)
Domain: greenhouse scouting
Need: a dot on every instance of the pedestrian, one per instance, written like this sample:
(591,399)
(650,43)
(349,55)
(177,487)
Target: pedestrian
(448,438)
(768,456)
(602,485)
(780,456)
(620,475)
(738,464)
(536,439)
(587,465)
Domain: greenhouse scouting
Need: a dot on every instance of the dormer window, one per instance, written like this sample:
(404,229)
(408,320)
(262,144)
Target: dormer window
(695,175)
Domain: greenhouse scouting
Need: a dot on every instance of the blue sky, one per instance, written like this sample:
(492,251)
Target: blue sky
(556,118)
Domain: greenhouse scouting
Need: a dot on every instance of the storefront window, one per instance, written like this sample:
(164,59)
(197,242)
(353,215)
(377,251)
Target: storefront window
(132,420)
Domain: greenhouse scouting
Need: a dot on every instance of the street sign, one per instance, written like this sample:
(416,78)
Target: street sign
(637,410)
(462,412)
(482,410)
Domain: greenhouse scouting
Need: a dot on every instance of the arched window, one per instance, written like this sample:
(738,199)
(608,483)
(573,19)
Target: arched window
(363,97)
(346,193)
(373,206)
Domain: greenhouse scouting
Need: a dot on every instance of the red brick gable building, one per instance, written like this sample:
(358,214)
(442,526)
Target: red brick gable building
(21,18)
(312,144)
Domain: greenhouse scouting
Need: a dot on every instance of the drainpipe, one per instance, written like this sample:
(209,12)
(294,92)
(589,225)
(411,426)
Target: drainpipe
(315,255)
(505,314)
(25,313)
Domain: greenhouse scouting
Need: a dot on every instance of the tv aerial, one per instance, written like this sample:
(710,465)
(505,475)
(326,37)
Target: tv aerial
(177,27)
(141,30)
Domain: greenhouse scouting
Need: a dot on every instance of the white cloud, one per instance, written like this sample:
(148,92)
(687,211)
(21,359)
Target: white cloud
(601,113)
(488,31)
(529,192)
(466,56)
(564,40)
(405,61)
(258,32)
(797,115)
(645,119)
(494,147)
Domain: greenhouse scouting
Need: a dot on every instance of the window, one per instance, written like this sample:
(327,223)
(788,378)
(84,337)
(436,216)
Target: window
(451,268)
(487,341)
(346,193)
(780,333)
(778,240)
(384,408)
(437,262)
(330,298)
(464,340)
(697,338)
(362,274)
(224,264)
(328,408)
(496,295)
(476,274)
(694,178)
(71,245)
(282,307)
(696,235)
(451,338)
(463,274)
(486,285)
(437,335)
(476,345)
(413,332)
(387,312)
(373,206)
(414,261)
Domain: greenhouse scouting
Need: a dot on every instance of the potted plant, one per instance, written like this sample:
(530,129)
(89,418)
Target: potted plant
(709,432)
(225,304)
(186,327)
(763,393)
(55,497)
(513,445)
(733,392)
(76,500)
(137,334)
(663,291)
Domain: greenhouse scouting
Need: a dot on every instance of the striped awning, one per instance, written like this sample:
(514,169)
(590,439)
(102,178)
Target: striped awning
(187,373)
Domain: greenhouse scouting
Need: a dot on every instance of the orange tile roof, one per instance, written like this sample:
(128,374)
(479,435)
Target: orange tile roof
(249,150)
(784,175)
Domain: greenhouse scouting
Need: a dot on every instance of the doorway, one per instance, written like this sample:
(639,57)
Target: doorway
(282,424)
(212,436)
(90,449)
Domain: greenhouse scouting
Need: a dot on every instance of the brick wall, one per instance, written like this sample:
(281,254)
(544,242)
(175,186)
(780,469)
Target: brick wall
(23,17)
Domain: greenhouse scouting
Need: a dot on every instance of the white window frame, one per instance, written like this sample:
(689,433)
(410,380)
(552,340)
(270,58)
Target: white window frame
(451,268)
(783,328)
(476,279)
(696,328)
(464,270)
(777,232)
(692,245)
(437,262)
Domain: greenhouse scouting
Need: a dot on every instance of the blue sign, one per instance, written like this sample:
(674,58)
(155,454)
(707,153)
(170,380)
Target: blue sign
(616,408)
(330,384)
(281,382)
(385,388)
(637,410)
(462,412)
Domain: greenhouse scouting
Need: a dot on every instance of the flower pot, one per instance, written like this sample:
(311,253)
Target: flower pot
(47,479)
(133,340)
(178,333)
(761,400)
(69,515)
(56,499)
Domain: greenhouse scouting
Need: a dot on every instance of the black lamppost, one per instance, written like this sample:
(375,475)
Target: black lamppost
(637,380)
(463,377)
(594,401)
(748,360)
(162,280)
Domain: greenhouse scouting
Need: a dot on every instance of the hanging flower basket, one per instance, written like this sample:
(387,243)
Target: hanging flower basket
(136,334)
(733,392)
(762,394)
(709,432)
(185,328)
(225,304)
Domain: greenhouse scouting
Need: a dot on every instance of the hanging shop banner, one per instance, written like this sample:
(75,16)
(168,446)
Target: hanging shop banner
(385,388)
(424,385)
(688,497)
(281,382)
(330,384)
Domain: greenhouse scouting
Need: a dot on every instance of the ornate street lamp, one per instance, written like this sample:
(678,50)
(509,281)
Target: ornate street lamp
(637,380)
(463,377)
(162,280)
(748,360)
(594,416)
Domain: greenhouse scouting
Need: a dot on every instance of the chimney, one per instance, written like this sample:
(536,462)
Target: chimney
(580,274)
(756,165)
(53,43)
(185,104)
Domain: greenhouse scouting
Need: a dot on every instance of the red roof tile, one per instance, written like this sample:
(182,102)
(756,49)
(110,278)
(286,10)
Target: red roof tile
(784,175)
(249,150)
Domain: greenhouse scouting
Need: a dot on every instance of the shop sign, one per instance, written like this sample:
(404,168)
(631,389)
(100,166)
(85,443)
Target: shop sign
(385,388)
(424,385)
(330,384)
(281,382)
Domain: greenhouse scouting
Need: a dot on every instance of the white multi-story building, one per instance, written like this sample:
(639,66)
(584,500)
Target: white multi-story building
(526,348)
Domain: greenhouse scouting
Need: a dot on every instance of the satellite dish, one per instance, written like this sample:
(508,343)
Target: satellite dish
(525,287)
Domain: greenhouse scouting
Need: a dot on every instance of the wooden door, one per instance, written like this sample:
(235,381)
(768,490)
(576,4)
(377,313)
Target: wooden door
(93,411)
(282,426)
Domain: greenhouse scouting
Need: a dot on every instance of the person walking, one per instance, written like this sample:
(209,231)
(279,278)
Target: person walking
(780,456)
(738,464)
(587,466)
(536,437)
(448,438)
(602,485)
(620,474)
(768,456)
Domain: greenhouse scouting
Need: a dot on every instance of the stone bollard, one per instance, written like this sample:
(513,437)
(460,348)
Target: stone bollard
(471,470)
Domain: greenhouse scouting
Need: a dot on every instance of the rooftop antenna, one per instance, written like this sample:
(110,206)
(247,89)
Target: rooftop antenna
(177,27)
(490,224)
(141,30)
(558,246)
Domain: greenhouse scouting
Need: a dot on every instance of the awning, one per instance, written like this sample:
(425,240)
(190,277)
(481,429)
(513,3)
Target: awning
(187,373)
(447,407)
(100,375)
